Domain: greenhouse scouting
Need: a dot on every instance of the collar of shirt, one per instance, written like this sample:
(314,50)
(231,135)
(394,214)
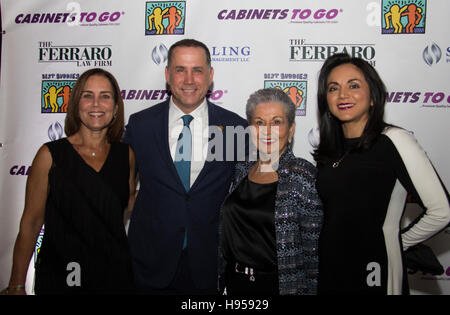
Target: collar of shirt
(200,134)
(176,113)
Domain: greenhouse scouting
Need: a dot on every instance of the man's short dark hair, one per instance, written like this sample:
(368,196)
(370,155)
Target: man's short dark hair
(189,43)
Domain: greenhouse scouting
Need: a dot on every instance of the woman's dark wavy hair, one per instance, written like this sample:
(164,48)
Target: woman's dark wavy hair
(331,144)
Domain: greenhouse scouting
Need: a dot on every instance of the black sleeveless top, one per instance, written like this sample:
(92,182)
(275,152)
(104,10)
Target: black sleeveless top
(249,226)
(85,248)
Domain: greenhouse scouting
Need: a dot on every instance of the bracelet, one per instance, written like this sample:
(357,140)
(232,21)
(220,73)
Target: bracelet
(15,288)
(18,287)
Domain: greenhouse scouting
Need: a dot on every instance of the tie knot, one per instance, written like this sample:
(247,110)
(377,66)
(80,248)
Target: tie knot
(187,120)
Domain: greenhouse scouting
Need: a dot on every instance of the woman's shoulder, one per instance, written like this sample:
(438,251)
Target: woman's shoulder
(58,148)
(295,162)
(57,143)
(298,167)
(400,138)
(43,158)
(243,166)
(393,132)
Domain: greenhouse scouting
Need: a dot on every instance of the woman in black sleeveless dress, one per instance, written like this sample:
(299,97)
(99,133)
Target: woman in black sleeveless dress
(78,188)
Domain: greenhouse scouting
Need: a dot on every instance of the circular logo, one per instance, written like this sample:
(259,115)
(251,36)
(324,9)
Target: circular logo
(432,54)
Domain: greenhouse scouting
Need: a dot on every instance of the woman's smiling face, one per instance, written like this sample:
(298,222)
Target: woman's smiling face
(271,127)
(348,97)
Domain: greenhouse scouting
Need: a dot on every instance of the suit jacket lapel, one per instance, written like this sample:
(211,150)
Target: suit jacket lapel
(162,138)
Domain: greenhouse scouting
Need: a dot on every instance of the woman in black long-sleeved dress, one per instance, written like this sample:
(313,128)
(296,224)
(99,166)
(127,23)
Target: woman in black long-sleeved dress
(366,167)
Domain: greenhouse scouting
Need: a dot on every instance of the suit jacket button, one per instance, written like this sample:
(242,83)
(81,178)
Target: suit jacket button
(182,229)
(188,197)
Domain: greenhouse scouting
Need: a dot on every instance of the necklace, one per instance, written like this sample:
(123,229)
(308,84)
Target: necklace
(91,154)
(336,164)
(91,151)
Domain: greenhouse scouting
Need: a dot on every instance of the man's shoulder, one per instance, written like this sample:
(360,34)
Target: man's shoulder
(227,115)
(150,112)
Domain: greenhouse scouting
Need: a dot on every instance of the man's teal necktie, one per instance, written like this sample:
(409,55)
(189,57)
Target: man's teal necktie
(183,158)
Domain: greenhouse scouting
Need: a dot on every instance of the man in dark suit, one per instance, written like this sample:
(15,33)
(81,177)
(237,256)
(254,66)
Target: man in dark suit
(173,229)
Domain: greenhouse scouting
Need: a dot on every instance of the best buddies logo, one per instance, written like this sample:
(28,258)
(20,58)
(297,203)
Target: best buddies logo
(403,17)
(55,93)
(295,85)
(165,17)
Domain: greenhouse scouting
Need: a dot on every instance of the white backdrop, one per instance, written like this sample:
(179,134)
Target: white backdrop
(254,44)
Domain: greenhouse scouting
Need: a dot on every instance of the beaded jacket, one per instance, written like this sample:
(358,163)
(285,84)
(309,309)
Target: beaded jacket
(298,220)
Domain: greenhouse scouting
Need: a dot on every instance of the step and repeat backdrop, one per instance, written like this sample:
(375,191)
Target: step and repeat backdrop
(47,44)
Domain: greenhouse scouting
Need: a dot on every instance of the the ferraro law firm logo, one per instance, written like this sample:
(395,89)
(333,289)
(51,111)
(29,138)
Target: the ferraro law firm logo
(165,17)
(301,50)
(403,17)
(82,55)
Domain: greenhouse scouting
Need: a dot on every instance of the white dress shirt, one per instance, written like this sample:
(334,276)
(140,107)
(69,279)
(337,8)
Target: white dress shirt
(200,135)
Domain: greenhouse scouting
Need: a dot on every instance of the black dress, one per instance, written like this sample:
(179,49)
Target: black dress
(249,238)
(85,248)
(356,197)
